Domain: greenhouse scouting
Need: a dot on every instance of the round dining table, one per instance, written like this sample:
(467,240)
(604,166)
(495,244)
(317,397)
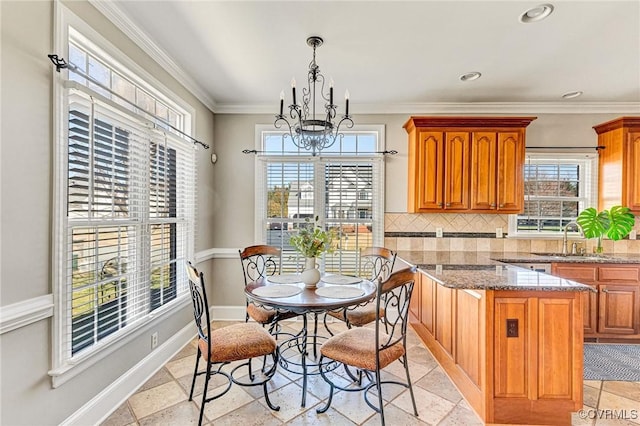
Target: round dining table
(287,293)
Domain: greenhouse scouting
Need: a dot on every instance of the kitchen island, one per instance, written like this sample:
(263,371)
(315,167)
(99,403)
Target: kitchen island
(511,339)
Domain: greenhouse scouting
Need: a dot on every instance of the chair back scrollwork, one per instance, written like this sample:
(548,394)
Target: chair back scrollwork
(376,263)
(260,261)
(394,295)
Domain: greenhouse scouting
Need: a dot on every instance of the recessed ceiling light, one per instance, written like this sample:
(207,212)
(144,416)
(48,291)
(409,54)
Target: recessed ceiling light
(470,76)
(571,95)
(536,14)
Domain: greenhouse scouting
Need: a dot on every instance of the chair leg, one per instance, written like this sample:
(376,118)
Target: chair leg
(326,326)
(326,407)
(406,369)
(264,385)
(195,372)
(380,401)
(204,392)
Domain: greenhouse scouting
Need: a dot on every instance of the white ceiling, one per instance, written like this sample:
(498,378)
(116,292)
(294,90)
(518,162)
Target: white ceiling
(396,56)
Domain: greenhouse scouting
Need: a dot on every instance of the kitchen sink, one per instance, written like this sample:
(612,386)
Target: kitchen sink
(571,256)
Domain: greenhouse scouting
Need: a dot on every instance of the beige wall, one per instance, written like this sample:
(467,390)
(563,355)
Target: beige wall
(26,394)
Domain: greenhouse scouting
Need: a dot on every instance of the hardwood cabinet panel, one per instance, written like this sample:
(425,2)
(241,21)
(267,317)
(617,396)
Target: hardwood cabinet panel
(555,337)
(429,172)
(618,309)
(632,195)
(427,304)
(483,170)
(589,302)
(511,353)
(414,303)
(470,333)
(575,271)
(618,163)
(444,323)
(456,179)
(510,183)
(620,273)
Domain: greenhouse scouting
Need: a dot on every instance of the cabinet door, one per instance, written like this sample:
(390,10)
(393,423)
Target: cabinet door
(444,322)
(589,311)
(618,309)
(510,188)
(427,304)
(632,190)
(456,180)
(414,303)
(430,169)
(483,171)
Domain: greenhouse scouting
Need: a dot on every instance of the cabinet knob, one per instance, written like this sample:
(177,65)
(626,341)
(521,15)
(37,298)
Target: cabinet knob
(604,290)
(439,204)
(501,205)
(448,204)
(492,205)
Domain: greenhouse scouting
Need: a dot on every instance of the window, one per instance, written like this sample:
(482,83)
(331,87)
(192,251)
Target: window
(557,188)
(343,187)
(127,204)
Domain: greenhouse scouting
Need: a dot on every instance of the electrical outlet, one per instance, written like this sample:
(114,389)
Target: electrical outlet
(498,232)
(154,340)
(512,327)
(633,234)
(438,232)
(438,269)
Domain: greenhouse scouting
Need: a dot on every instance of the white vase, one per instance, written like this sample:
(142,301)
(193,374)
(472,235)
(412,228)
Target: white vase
(310,276)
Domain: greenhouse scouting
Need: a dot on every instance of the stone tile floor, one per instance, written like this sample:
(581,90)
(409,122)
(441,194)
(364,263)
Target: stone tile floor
(163,399)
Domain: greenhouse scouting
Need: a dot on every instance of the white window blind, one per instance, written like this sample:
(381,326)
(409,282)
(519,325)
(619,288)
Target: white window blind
(129,223)
(343,188)
(557,188)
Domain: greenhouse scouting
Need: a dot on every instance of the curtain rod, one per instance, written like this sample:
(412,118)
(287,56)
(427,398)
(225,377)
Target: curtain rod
(597,148)
(60,63)
(255,151)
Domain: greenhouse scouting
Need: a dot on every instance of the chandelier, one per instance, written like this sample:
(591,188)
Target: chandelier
(306,129)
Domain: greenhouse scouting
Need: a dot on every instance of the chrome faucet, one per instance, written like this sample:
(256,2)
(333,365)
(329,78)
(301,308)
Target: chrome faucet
(565,248)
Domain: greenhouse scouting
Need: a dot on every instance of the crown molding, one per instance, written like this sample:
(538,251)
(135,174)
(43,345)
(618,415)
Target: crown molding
(114,14)
(463,108)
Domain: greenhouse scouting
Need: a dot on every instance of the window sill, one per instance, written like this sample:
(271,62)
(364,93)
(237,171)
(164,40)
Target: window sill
(106,347)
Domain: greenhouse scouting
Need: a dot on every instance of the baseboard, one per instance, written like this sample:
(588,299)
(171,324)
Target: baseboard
(106,402)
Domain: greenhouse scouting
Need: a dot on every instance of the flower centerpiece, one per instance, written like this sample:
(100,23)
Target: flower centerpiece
(311,242)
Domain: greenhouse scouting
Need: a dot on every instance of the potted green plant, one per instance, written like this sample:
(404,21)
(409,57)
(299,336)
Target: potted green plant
(311,242)
(615,223)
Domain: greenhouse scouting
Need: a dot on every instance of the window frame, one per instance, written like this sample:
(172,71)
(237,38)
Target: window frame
(588,196)
(319,161)
(65,367)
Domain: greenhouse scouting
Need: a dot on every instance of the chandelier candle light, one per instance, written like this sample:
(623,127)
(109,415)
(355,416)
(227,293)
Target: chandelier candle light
(305,130)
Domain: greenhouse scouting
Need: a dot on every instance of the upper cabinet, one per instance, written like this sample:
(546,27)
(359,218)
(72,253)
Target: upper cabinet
(466,164)
(619,163)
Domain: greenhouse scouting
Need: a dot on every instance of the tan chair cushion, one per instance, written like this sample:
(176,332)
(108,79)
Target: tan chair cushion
(259,314)
(362,315)
(356,347)
(238,341)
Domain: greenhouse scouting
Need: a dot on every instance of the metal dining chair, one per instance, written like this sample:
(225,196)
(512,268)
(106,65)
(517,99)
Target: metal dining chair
(371,349)
(261,261)
(219,347)
(374,263)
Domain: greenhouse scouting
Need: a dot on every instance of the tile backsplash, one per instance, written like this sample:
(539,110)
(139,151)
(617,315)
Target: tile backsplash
(477,232)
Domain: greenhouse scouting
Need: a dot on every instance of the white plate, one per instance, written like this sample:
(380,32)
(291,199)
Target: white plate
(339,292)
(340,279)
(278,290)
(285,279)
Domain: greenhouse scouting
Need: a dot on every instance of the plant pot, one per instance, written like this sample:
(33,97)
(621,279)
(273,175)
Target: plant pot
(310,276)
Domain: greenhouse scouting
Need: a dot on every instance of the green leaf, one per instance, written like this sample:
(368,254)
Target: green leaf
(621,222)
(593,224)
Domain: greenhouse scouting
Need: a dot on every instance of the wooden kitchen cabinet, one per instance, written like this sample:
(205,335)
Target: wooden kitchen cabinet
(618,163)
(614,310)
(496,171)
(466,164)
(516,356)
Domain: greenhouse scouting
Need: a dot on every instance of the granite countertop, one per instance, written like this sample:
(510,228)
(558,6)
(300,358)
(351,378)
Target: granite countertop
(485,271)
